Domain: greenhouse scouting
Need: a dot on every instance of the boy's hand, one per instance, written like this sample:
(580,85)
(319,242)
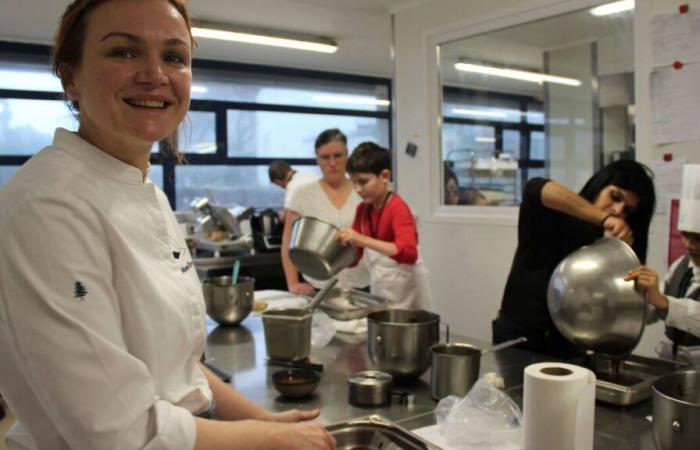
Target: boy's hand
(648,281)
(349,236)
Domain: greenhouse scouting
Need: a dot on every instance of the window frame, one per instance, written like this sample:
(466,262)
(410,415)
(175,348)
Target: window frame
(525,162)
(220,109)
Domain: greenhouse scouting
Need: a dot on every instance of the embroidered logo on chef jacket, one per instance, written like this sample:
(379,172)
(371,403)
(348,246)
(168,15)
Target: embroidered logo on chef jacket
(186,267)
(79,291)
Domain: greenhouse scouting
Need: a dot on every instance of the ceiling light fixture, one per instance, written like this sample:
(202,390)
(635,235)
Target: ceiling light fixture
(613,8)
(208,30)
(484,139)
(514,74)
(478,113)
(351,99)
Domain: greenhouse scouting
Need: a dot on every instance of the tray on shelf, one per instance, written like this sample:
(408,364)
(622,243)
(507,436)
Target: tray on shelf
(632,383)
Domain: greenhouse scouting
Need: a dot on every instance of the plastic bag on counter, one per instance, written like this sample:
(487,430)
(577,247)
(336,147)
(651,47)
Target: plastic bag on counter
(486,418)
(322,329)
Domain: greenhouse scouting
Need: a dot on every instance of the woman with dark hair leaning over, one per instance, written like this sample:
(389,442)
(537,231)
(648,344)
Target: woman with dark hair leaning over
(617,201)
(101,314)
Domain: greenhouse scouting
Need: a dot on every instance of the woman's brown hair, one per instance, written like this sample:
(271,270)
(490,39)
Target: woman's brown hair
(68,47)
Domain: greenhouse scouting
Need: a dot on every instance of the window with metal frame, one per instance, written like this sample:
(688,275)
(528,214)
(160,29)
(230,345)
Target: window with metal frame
(241,118)
(490,127)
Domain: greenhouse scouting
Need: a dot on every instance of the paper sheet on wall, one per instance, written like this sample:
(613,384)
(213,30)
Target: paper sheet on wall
(674,101)
(675,37)
(668,177)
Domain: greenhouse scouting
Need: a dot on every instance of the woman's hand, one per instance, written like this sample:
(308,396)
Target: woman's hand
(617,227)
(292,416)
(302,289)
(648,281)
(300,436)
(349,236)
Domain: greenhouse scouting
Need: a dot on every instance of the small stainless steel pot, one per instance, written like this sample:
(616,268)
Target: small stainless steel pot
(677,410)
(455,368)
(315,249)
(399,340)
(370,388)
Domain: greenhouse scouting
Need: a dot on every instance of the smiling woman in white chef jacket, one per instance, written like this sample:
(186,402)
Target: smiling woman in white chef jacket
(679,304)
(101,312)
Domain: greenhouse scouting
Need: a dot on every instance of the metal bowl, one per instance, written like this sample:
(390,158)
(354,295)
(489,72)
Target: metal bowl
(590,302)
(228,303)
(315,249)
(296,383)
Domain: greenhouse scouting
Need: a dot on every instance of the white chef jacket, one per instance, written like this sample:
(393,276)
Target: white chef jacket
(684,313)
(298,179)
(101,311)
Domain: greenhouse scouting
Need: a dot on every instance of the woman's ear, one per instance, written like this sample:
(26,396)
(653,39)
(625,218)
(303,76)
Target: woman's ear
(69,85)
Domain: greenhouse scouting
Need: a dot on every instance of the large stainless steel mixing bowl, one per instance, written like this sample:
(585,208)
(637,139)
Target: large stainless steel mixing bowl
(315,249)
(228,303)
(591,303)
(399,340)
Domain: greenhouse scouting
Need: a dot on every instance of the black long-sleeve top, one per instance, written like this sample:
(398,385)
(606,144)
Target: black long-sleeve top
(545,238)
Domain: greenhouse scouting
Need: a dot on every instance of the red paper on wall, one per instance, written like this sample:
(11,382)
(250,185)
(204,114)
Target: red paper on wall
(675,245)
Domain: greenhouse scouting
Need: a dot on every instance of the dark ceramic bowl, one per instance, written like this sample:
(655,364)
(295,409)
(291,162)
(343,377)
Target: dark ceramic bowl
(296,383)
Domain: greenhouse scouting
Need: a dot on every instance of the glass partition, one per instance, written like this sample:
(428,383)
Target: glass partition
(531,101)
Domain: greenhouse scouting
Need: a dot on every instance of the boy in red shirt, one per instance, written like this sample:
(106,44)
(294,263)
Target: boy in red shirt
(384,232)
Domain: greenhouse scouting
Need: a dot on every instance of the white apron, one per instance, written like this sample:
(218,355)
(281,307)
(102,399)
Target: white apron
(404,286)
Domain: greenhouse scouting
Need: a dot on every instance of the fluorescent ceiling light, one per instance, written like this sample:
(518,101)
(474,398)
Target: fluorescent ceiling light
(351,99)
(478,113)
(613,8)
(263,37)
(522,75)
(198,89)
(485,139)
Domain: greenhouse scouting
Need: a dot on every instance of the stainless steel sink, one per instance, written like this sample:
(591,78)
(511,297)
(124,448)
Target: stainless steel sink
(376,433)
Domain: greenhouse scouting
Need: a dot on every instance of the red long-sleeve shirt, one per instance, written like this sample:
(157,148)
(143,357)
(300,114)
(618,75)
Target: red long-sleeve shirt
(393,223)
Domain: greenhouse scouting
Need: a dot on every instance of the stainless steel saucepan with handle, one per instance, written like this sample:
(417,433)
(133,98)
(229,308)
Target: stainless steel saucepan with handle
(455,366)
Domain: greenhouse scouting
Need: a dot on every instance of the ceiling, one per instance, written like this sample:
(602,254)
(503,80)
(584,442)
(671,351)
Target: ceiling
(362,29)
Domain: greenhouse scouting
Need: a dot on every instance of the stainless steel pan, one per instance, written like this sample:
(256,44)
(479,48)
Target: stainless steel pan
(315,249)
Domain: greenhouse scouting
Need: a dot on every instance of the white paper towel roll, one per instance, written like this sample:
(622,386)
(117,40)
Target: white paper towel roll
(558,407)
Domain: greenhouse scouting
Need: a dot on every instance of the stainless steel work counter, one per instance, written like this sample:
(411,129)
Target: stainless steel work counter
(241,351)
